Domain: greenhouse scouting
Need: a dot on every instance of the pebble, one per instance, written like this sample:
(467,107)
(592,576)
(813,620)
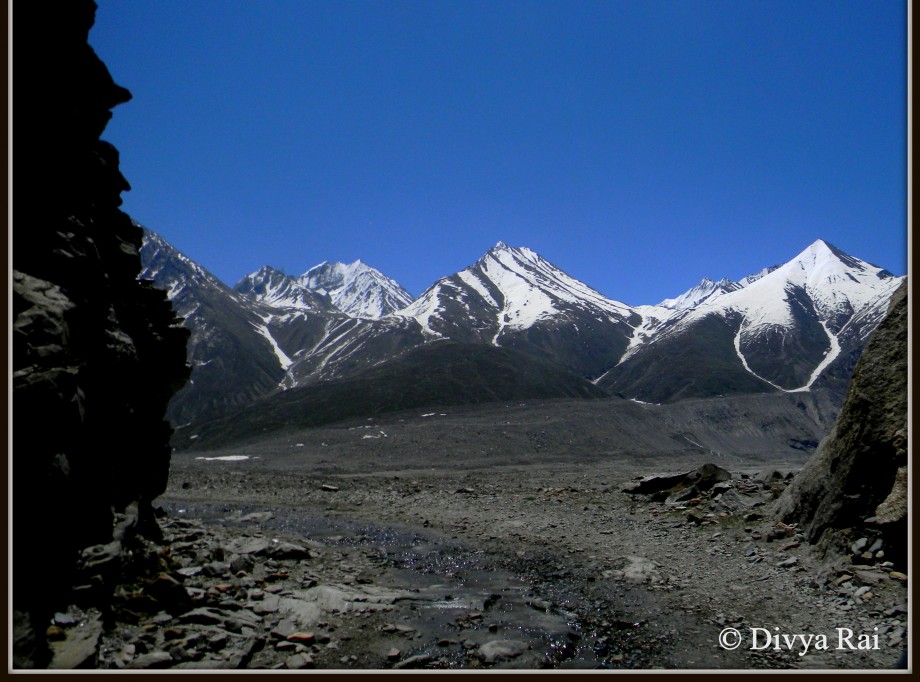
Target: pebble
(218,641)
(158,659)
(55,633)
(64,619)
(298,662)
(305,638)
(500,650)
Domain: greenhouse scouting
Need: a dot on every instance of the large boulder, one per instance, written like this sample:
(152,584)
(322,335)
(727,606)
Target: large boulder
(859,470)
(97,354)
(684,486)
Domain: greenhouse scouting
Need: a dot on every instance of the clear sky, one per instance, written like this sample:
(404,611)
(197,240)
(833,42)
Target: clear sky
(639,145)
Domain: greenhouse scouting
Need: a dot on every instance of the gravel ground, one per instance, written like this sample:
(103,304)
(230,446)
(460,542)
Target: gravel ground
(527,562)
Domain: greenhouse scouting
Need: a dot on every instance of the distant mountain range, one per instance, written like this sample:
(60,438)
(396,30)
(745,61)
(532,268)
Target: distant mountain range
(794,328)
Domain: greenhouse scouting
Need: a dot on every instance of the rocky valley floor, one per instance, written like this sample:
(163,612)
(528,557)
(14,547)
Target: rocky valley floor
(282,556)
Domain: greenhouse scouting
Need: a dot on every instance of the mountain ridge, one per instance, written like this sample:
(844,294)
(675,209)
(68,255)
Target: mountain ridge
(355,289)
(794,327)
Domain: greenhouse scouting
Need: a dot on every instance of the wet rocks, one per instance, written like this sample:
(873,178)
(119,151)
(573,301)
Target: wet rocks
(261,546)
(256,517)
(417,661)
(498,650)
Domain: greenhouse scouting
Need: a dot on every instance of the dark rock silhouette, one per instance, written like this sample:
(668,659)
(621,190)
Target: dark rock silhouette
(859,471)
(96,354)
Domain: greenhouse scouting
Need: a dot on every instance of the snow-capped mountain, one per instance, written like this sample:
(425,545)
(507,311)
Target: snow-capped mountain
(268,334)
(513,297)
(838,286)
(232,361)
(272,287)
(357,289)
(791,328)
(784,329)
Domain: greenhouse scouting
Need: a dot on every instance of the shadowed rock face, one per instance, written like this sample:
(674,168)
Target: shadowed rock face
(96,354)
(854,474)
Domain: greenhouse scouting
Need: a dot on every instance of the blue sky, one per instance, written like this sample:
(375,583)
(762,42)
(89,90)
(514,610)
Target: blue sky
(638,145)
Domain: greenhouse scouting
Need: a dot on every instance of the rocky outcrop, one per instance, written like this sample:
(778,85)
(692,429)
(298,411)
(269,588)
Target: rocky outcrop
(858,475)
(681,486)
(96,353)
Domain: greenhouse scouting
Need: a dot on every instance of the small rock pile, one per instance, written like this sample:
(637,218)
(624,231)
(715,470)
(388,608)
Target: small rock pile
(204,599)
(710,492)
(231,594)
(861,590)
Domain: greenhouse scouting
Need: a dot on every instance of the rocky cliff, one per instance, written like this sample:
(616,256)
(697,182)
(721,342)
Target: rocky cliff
(96,353)
(854,488)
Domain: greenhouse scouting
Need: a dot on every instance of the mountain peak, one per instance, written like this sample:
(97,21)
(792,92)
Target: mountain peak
(271,286)
(825,257)
(836,285)
(508,291)
(707,289)
(822,244)
(819,247)
(357,289)
(523,253)
(267,270)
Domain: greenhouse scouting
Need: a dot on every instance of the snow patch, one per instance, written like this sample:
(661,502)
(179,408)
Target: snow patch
(829,356)
(283,359)
(225,458)
(473,282)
